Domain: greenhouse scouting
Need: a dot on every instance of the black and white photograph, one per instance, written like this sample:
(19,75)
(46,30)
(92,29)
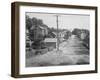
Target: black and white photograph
(57,39)
(53,39)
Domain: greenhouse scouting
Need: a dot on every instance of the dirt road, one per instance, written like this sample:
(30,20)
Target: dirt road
(71,52)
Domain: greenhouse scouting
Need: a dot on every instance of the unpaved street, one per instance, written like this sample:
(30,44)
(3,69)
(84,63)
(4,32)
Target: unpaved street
(71,52)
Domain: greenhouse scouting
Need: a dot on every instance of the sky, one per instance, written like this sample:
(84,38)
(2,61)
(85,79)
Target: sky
(66,21)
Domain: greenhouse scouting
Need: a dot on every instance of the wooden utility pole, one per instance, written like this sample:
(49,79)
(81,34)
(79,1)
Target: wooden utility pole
(57,33)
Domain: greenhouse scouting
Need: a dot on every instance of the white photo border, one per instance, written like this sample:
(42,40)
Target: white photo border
(53,69)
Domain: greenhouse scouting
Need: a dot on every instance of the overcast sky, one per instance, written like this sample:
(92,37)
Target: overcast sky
(65,21)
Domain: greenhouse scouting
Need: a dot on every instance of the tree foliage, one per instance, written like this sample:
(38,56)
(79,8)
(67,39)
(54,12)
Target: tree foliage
(28,23)
(67,35)
(31,25)
(86,39)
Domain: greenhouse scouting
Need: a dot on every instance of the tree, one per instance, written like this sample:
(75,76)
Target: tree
(67,35)
(39,22)
(76,31)
(28,22)
(86,40)
(86,37)
(33,26)
(34,21)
